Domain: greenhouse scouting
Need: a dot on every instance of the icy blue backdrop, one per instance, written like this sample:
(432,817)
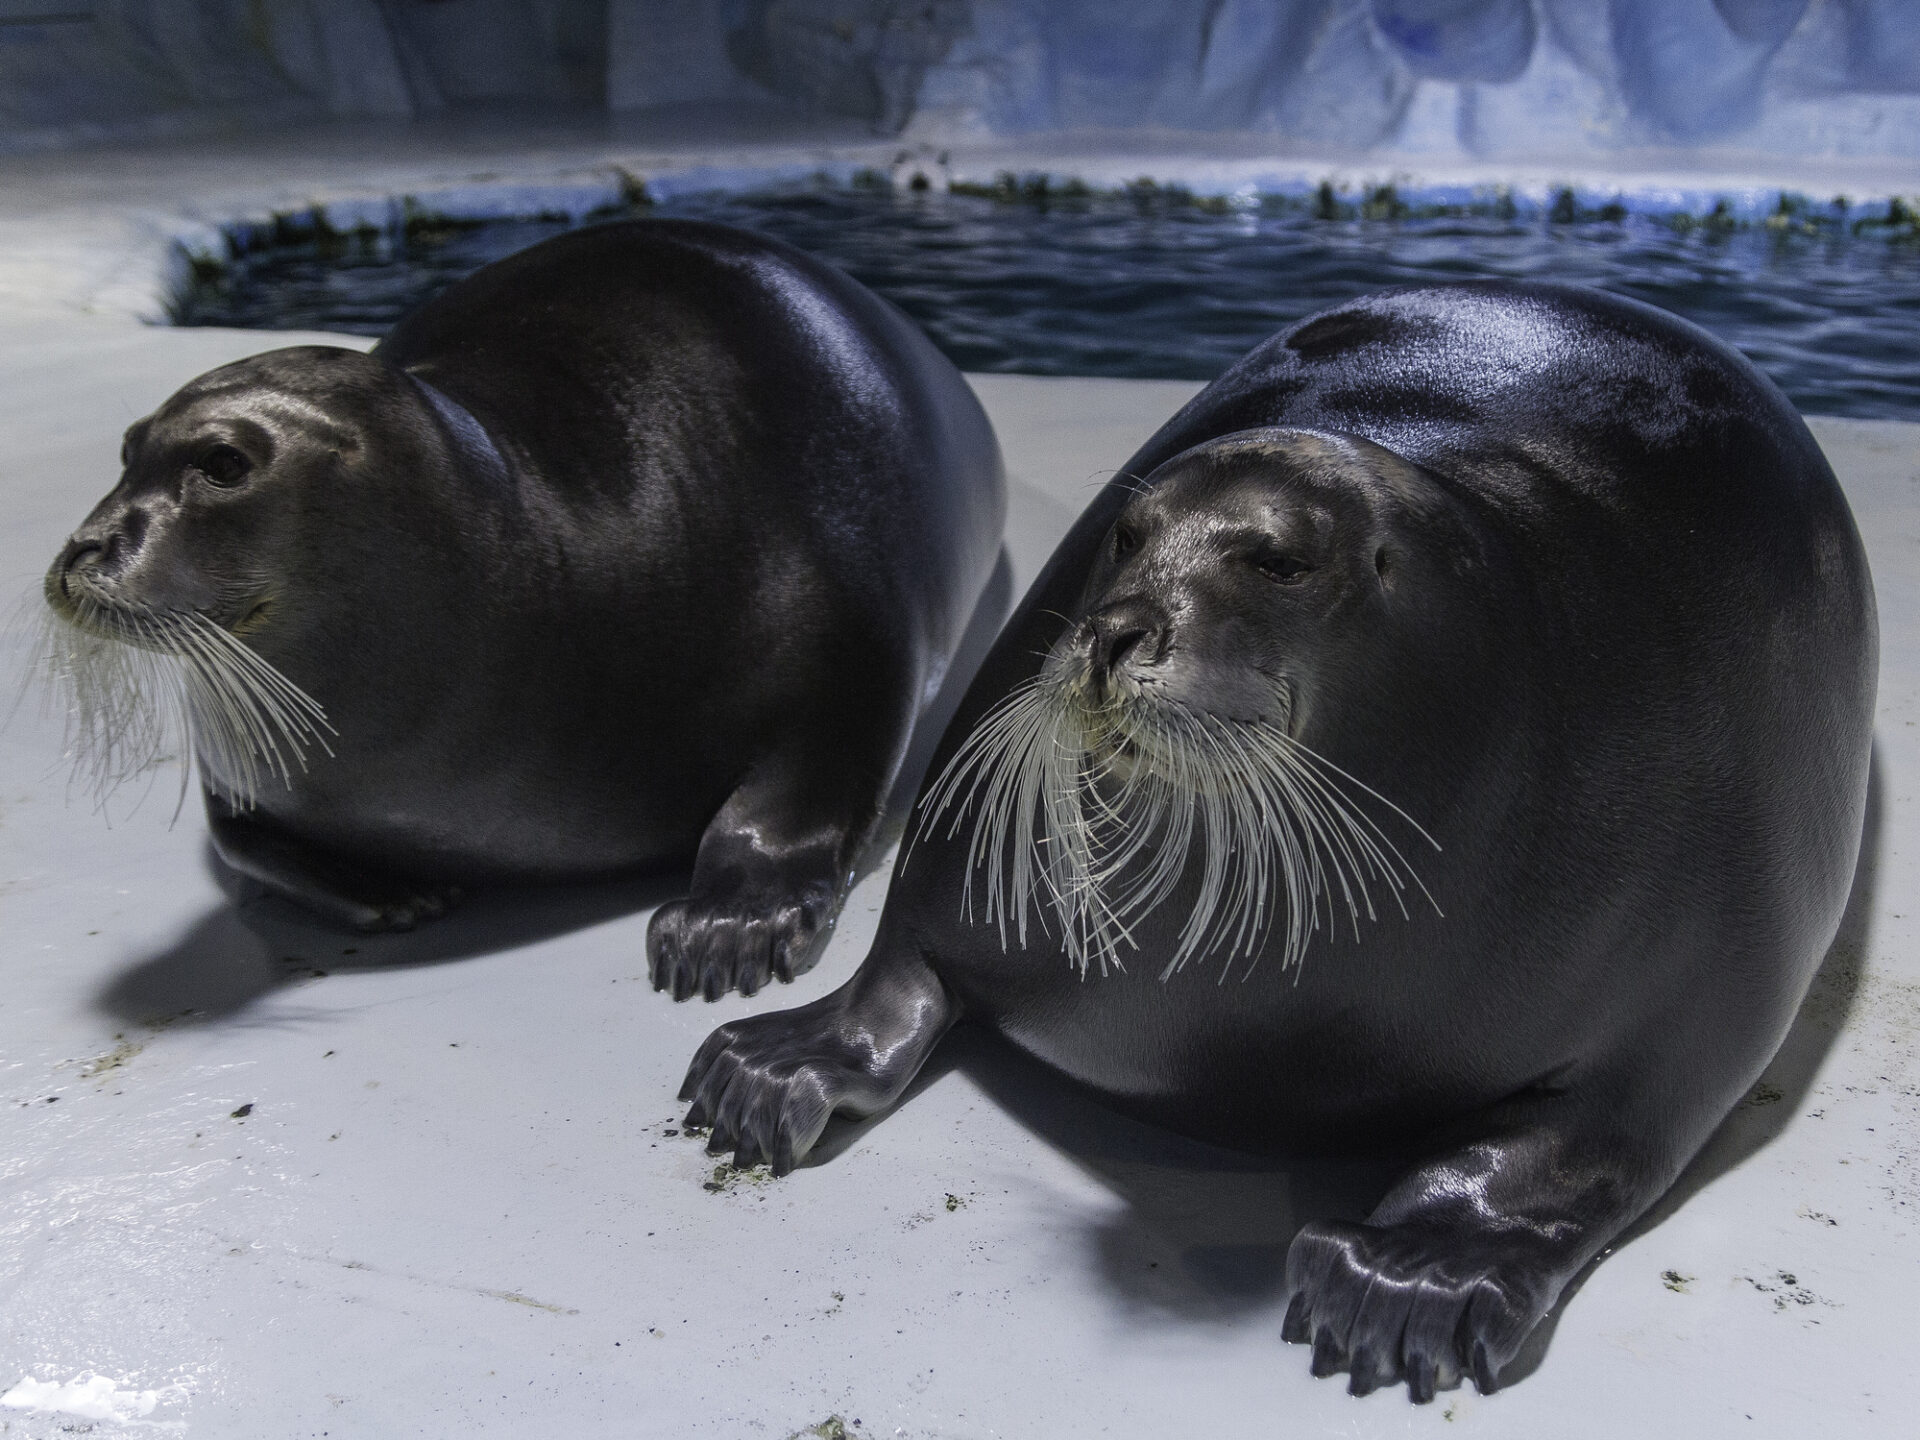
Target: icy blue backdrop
(1486,78)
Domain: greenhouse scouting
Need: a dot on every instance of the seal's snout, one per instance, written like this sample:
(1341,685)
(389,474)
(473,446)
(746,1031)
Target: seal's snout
(105,541)
(1126,631)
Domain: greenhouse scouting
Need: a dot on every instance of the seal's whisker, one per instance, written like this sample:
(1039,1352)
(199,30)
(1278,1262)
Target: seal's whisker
(222,708)
(270,709)
(138,687)
(1360,842)
(1261,813)
(1329,825)
(117,694)
(1321,762)
(304,714)
(1366,828)
(1093,812)
(222,734)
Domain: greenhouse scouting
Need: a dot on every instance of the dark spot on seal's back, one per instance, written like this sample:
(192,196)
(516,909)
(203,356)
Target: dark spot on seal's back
(1342,330)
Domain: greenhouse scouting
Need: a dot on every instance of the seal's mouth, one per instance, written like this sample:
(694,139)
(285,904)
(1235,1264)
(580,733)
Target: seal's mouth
(253,620)
(1130,727)
(1115,737)
(79,599)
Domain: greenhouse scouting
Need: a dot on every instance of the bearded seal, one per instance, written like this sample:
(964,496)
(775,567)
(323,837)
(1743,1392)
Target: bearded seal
(642,546)
(1450,732)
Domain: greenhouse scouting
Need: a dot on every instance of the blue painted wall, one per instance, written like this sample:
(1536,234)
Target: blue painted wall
(1481,78)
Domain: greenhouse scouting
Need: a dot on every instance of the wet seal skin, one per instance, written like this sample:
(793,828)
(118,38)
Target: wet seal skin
(641,547)
(1449,735)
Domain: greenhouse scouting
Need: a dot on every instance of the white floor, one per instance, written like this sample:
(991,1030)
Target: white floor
(457,1204)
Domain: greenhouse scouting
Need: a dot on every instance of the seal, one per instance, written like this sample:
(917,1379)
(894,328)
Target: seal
(1448,736)
(642,546)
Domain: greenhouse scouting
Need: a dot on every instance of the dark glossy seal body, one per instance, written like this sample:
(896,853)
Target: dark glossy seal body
(642,546)
(1561,578)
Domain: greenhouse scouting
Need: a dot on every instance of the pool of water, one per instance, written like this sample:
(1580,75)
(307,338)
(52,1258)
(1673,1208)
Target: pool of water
(1157,286)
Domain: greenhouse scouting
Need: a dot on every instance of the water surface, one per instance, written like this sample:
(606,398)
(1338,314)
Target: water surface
(1154,286)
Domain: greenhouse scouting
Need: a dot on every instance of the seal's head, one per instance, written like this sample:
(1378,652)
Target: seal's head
(1245,590)
(205,561)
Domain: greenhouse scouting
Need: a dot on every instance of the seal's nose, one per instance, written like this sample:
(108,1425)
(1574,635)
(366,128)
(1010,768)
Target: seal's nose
(105,541)
(1125,629)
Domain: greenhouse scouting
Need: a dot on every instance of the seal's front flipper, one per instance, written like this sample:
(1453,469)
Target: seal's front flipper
(1459,1263)
(767,1085)
(768,880)
(332,888)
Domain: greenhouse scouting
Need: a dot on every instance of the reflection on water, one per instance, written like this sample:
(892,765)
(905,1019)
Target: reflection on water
(1147,287)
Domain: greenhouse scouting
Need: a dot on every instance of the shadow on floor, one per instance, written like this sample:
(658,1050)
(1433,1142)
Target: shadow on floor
(1204,1231)
(256,944)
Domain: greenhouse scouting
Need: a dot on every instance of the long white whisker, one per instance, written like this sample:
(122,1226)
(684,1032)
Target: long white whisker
(1097,813)
(137,687)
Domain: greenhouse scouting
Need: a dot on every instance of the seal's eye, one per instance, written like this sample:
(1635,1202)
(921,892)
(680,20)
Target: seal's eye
(1125,542)
(1279,566)
(223,465)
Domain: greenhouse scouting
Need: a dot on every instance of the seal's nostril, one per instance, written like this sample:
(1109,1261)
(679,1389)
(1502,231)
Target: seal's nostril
(1115,634)
(79,558)
(1134,628)
(1121,644)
